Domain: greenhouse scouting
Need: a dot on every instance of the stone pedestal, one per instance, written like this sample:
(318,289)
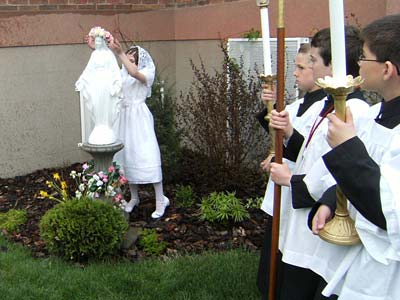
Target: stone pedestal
(102,154)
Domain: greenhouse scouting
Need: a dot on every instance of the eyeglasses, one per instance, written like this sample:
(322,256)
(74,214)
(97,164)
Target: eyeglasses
(362,58)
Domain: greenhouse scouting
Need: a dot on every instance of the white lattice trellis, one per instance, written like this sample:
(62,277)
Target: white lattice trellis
(250,51)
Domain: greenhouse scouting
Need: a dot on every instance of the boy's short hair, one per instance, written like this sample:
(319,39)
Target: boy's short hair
(383,38)
(322,40)
(304,48)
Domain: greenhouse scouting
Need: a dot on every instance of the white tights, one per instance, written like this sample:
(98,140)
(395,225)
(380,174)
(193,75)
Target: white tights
(158,189)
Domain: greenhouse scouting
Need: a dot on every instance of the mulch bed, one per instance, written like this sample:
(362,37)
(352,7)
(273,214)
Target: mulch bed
(181,228)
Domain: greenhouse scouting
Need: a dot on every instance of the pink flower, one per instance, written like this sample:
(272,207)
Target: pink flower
(111,169)
(105,178)
(85,166)
(108,36)
(118,198)
(123,180)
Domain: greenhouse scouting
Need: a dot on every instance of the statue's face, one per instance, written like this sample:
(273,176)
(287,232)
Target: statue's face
(98,42)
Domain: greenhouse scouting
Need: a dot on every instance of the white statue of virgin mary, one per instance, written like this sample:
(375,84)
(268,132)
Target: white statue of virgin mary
(100,88)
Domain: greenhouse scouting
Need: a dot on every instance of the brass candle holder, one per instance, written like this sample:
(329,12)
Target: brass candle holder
(269,81)
(341,229)
(262,3)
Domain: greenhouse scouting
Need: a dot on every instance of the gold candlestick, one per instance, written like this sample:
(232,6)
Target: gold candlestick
(341,229)
(262,3)
(269,81)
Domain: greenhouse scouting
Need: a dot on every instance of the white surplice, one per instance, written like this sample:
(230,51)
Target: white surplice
(370,271)
(297,243)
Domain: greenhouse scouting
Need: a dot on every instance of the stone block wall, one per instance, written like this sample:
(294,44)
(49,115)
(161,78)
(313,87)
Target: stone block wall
(98,6)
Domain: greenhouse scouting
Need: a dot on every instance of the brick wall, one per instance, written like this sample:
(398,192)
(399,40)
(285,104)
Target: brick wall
(98,6)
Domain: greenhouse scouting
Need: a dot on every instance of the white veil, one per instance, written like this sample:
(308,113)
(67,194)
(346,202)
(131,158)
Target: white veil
(146,67)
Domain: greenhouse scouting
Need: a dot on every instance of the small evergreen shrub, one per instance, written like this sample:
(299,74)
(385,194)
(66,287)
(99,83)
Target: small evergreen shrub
(184,196)
(221,207)
(252,34)
(150,242)
(162,105)
(80,229)
(12,219)
(254,202)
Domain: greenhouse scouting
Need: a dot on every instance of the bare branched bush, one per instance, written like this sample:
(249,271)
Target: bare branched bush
(217,118)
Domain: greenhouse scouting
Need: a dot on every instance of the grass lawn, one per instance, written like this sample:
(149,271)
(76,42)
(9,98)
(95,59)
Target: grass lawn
(225,275)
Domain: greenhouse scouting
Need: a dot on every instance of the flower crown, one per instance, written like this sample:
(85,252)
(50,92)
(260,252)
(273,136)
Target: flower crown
(97,31)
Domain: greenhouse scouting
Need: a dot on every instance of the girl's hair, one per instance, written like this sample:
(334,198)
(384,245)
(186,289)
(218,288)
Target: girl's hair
(135,51)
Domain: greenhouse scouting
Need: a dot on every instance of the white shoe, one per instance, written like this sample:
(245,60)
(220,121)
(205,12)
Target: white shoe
(159,212)
(131,204)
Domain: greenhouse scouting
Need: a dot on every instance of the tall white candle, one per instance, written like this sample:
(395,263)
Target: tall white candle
(338,44)
(265,38)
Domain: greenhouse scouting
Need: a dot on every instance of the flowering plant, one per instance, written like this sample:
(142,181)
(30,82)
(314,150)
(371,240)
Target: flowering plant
(59,188)
(104,184)
(94,184)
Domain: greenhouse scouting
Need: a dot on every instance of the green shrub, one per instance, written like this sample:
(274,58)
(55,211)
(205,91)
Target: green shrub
(80,229)
(221,207)
(254,202)
(12,219)
(252,34)
(162,105)
(184,196)
(150,242)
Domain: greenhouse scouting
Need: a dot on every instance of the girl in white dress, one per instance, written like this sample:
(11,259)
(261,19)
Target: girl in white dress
(140,157)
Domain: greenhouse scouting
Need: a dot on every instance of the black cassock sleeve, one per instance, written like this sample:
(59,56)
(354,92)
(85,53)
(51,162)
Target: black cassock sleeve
(292,150)
(261,119)
(301,198)
(328,198)
(358,176)
(295,142)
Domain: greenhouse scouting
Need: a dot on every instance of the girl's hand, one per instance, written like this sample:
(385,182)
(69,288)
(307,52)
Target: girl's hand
(115,46)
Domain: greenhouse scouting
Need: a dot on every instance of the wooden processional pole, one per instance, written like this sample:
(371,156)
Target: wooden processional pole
(278,151)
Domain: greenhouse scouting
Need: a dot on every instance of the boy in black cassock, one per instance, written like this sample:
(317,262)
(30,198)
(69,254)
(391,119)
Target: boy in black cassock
(303,277)
(367,168)
(302,116)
